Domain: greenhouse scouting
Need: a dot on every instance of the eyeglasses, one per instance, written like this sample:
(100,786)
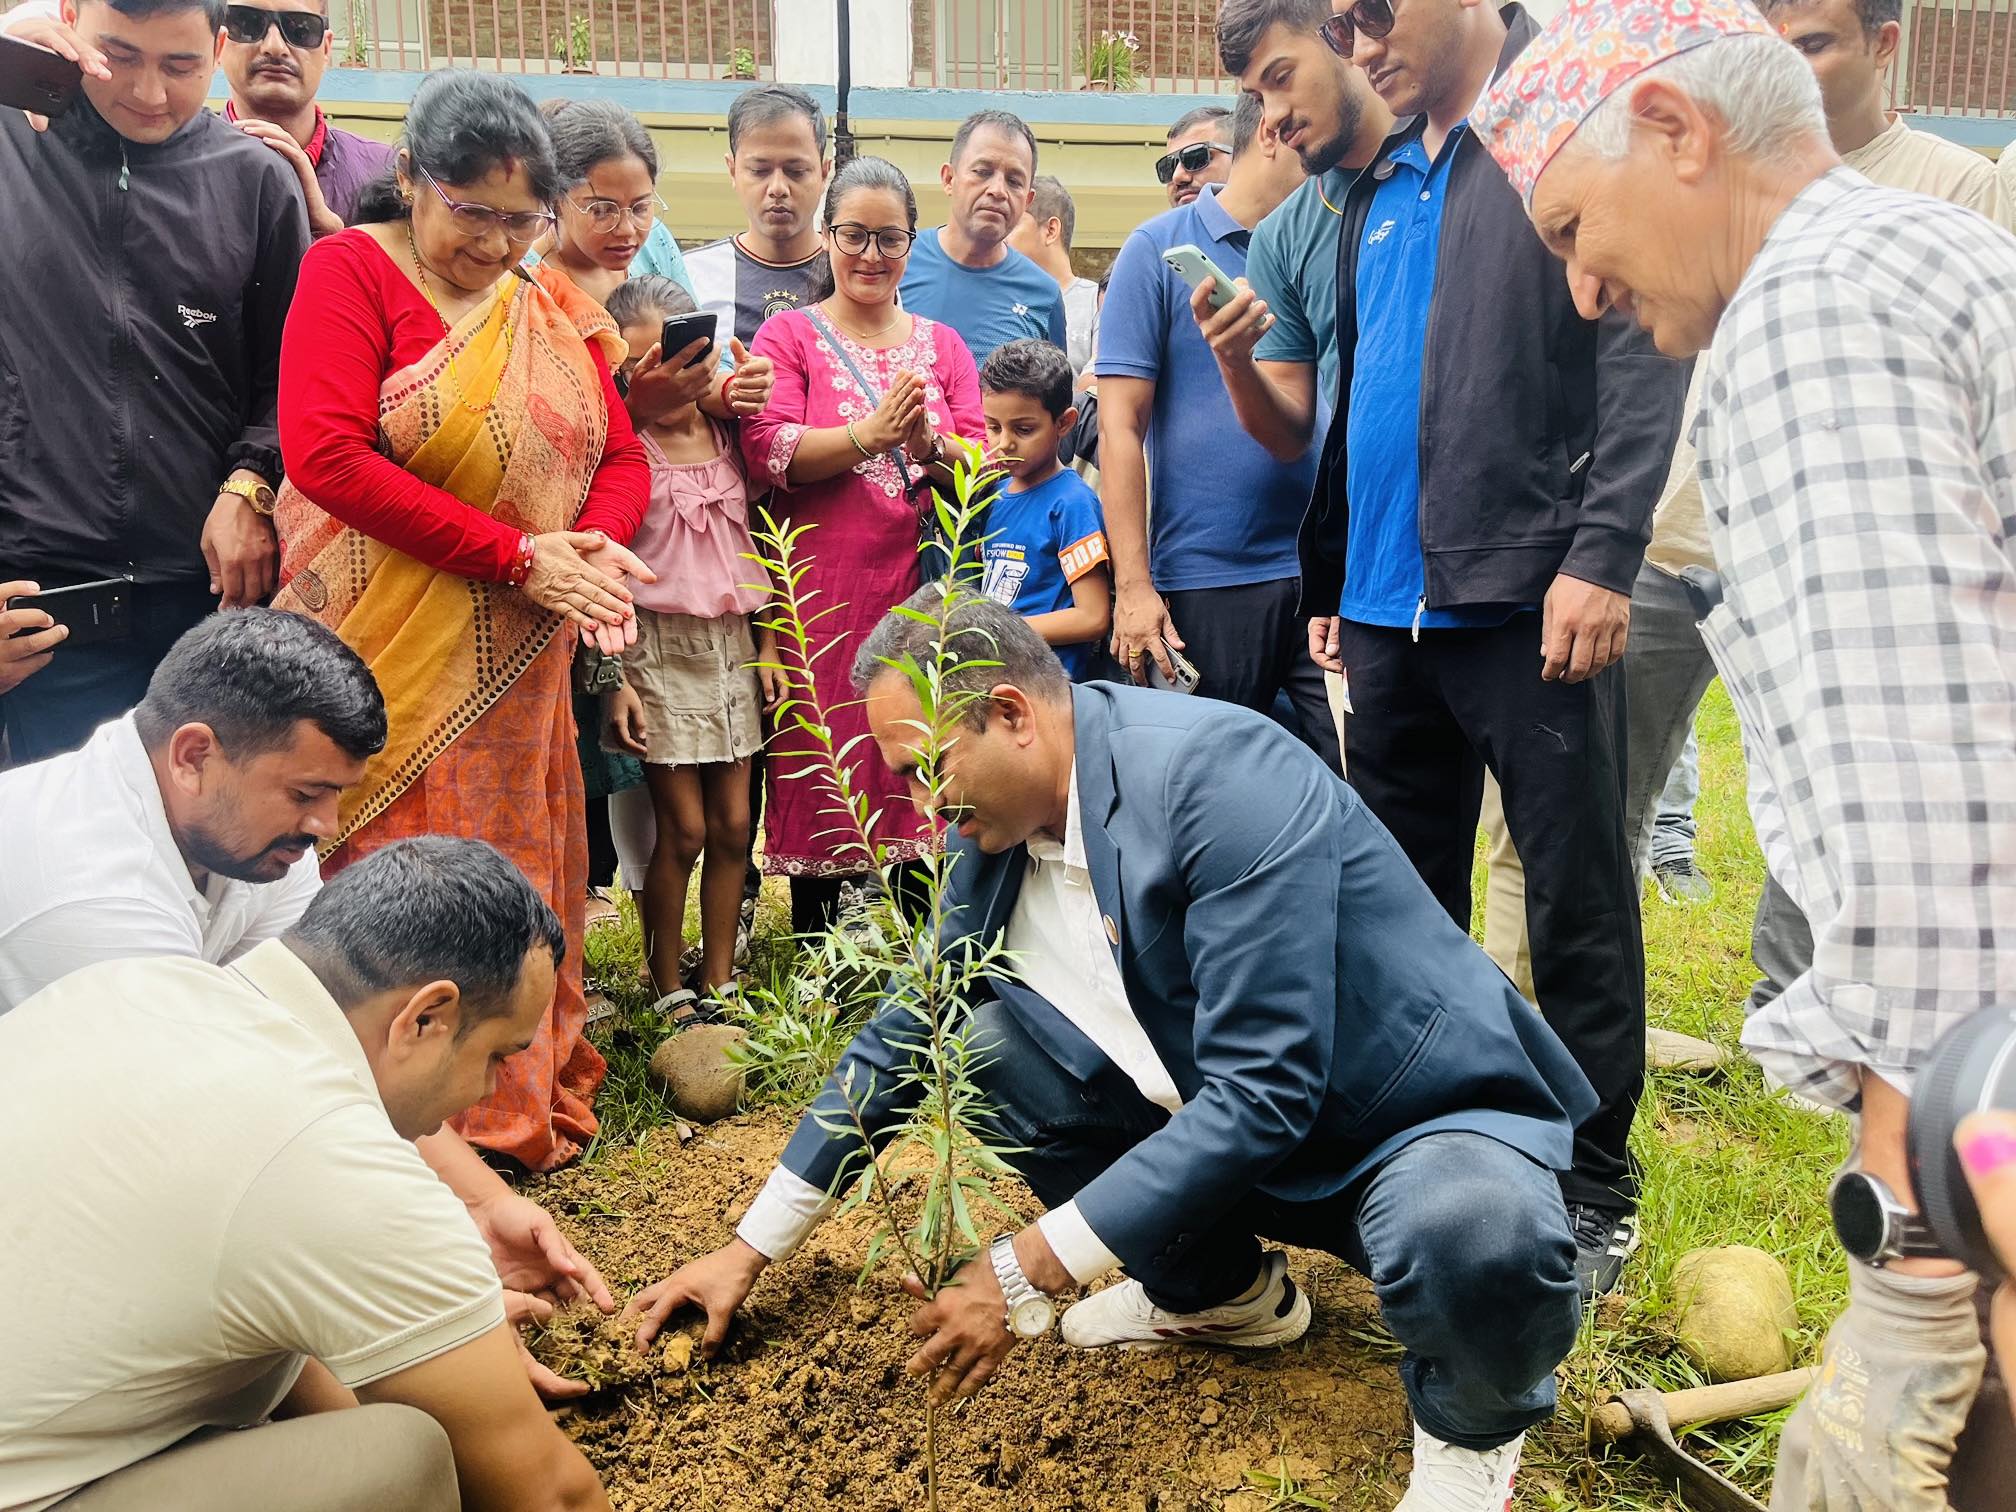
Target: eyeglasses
(1372,17)
(250,23)
(1191,159)
(521,226)
(852,238)
(604,215)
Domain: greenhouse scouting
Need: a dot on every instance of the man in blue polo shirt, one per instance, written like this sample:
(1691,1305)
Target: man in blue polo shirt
(1217,578)
(964,274)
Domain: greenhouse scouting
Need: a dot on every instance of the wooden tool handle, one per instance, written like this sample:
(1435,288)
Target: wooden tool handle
(1708,1404)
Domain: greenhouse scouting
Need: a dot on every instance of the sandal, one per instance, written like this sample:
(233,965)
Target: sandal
(684,1010)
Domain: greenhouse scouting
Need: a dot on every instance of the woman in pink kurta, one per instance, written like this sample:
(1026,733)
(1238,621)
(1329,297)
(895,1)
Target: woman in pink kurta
(855,459)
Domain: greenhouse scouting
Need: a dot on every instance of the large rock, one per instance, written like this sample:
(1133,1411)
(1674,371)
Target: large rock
(694,1068)
(1735,1311)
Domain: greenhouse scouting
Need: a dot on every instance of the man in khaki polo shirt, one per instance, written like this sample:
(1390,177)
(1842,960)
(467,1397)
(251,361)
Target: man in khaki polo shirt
(214,1215)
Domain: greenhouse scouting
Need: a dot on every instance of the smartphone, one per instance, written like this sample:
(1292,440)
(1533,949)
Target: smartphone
(94,611)
(34,78)
(681,331)
(1194,268)
(1187,676)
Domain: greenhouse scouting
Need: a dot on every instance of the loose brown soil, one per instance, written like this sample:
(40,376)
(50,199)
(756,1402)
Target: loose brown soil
(810,1406)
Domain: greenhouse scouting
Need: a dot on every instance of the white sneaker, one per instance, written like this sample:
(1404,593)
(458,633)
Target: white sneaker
(1123,1315)
(1448,1479)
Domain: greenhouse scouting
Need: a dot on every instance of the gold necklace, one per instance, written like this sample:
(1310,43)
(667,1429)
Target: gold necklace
(862,335)
(455,382)
(1325,198)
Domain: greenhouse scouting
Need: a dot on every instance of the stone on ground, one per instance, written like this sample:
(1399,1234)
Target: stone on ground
(694,1068)
(1670,1050)
(1735,1311)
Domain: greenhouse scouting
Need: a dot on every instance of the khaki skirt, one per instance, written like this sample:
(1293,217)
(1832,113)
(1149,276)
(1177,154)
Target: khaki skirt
(702,700)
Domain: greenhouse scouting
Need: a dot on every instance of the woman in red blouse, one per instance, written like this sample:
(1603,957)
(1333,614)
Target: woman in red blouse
(460,473)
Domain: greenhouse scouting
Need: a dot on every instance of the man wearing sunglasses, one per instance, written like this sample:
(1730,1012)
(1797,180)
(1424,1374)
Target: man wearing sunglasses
(274,59)
(1199,153)
(1482,508)
(137,426)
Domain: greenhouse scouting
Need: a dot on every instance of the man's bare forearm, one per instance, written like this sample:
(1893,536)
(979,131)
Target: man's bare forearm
(1267,412)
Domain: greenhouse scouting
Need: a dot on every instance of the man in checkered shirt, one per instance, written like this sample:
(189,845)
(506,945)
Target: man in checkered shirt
(1857,442)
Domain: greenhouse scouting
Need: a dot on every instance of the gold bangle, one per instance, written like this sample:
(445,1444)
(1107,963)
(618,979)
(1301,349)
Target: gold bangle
(857,441)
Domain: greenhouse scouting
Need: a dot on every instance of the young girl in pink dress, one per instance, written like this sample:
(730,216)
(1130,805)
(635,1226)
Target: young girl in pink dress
(851,440)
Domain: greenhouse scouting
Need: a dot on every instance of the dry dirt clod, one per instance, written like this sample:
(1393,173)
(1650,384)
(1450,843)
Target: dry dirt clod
(1211,1415)
(582,1345)
(677,1355)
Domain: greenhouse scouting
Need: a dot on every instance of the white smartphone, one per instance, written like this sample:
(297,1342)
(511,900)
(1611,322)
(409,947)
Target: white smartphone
(1193,267)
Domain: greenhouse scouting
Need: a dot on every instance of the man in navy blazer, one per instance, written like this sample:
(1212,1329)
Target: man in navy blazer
(1238,1013)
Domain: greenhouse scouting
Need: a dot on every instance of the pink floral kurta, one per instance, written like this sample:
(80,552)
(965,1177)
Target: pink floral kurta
(863,562)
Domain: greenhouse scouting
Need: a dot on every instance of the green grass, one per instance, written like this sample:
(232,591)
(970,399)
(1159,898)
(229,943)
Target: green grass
(1724,1161)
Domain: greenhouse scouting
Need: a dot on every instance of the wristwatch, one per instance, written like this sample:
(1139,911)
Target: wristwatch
(1030,1312)
(257,494)
(1873,1225)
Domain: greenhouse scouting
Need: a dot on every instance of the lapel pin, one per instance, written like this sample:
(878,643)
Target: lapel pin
(1112,930)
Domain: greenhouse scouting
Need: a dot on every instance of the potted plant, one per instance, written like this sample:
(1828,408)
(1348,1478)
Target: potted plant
(741,64)
(576,53)
(1109,66)
(356,45)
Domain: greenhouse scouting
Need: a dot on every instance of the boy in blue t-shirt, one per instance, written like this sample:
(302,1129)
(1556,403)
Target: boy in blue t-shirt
(1045,555)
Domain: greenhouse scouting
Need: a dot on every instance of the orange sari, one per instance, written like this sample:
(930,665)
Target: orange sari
(475,677)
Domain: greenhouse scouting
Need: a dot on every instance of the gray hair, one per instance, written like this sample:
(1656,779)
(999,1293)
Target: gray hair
(1190,120)
(1764,92)
(425,910)
(988,644)
(1052,198)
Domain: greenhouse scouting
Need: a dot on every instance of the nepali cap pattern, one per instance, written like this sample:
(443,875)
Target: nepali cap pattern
(1588,52)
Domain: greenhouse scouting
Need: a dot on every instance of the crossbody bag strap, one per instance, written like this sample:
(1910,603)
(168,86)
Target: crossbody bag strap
(838,348)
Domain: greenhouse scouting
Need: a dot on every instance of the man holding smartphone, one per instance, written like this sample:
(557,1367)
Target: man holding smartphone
(1216,581)
(137,433)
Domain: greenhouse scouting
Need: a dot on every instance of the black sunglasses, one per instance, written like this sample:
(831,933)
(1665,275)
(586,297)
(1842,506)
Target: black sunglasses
(1372,17)
(250,23)
(1191,158)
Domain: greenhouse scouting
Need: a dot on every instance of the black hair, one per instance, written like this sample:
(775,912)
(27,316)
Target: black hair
(1004,121)
(422,910)
(1030,366)
(649,298)
(252,675)
(1191,119)
(860,173)
(588,133)
(1871,13)
(140,10)
(461,126)
(1052,198)
(1245,122)
(1242,23)
(987,644)
(773,102)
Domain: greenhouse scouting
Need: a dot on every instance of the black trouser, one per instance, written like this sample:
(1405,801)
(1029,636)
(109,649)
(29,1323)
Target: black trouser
(1427,716)
(1250,646)
(84,686)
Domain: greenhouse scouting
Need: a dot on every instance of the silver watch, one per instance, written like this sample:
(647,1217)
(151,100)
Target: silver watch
(1030,1312)
(1873,1226)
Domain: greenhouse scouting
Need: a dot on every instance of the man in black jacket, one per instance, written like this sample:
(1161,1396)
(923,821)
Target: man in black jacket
(147,258)
(1467,559)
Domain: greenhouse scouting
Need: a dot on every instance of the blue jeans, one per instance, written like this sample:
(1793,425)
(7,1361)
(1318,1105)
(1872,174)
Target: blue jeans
(1466,1241)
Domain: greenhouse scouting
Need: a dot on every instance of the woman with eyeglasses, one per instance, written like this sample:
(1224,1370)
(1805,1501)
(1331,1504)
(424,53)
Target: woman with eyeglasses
(461,473)
(853,438)
(608,212)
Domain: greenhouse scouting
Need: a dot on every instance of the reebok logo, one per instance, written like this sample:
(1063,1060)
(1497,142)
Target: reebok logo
(194,318)
(1380,235)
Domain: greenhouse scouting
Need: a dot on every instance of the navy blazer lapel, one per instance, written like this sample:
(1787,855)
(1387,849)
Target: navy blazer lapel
(1098,796)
